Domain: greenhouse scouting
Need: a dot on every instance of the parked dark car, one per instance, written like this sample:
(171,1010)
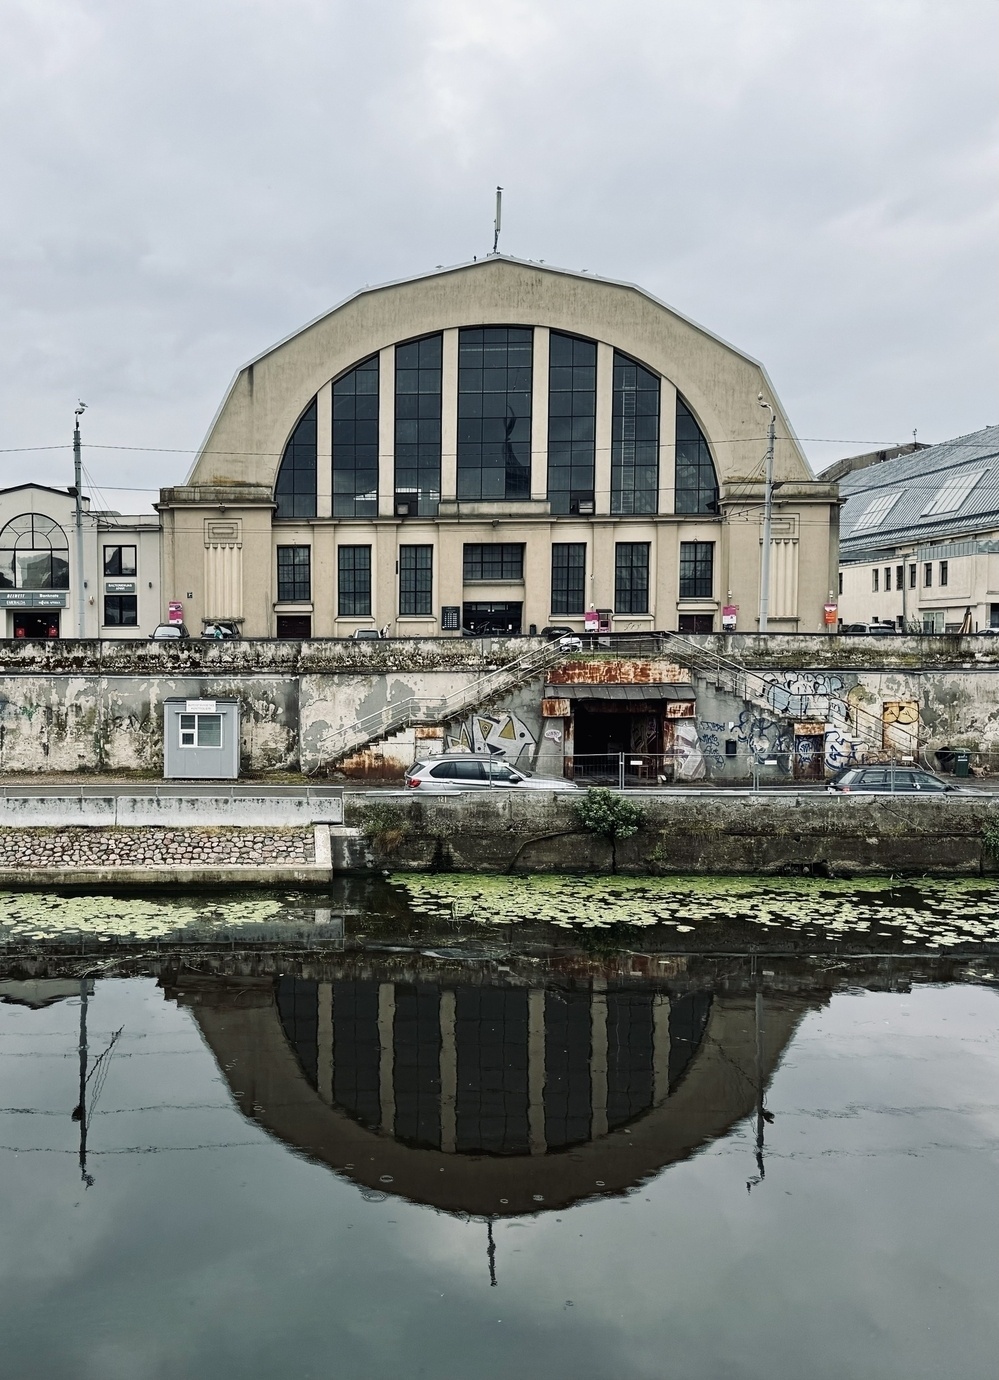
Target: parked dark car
(221,630)
(366,635)
(168,632)
(871,629)
(556,632)
(889,780)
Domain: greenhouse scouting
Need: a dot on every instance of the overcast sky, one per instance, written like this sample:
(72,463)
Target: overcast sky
(183,184)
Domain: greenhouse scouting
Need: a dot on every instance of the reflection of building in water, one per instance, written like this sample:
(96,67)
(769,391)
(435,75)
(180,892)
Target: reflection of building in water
(490,1099)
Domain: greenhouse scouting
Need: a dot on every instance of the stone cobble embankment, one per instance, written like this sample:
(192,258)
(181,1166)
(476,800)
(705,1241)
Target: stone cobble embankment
(82,848)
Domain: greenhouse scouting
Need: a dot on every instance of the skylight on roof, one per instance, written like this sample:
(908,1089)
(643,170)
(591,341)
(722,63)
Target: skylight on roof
(952,493)
(875,512)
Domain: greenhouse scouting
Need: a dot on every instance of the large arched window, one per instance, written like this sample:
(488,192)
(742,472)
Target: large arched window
(355,442)
(34,554)
(696,482)
(572,413)
(634,438)
(295,490)
(418,426)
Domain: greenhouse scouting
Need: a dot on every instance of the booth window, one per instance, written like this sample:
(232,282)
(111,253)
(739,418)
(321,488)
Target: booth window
(295,490)
(631,577)
(355,442)
(697,569)
(201,730)
(354,581)
(294,583)
(634,438)
(418,427)
(416,580)
(34,554)
(696,482)
(121,610)
(498,560)
(572,417)
(568,576)
(119,560)
(494,413)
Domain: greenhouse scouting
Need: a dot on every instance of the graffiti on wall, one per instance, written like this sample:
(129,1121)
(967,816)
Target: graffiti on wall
(503,733)
(817,695)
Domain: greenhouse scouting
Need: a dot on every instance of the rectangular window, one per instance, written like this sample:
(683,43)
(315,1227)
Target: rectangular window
(874,580)
(631,577)
(912,577)
(899,576)
(119,560)
(568,576)
(493,561)
(294,578)
(355,442)
(121,610)
(887,578)
(418,427)
(841,582)
(494,413)
(201,730)
(944,573)
(634,438)
(928,575)
(572,417)
(994,615)
(416,581)
(697,569)
(354,581)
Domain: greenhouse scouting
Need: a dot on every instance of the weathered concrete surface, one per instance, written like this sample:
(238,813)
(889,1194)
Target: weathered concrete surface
(814,832)
(117,811)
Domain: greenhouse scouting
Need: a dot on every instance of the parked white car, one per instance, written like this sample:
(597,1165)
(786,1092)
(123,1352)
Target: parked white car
(472,771)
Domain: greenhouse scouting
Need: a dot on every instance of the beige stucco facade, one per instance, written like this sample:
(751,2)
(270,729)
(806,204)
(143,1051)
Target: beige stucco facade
(220,532)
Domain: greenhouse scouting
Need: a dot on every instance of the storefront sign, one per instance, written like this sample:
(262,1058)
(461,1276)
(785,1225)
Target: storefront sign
(200,707)
(33,599)
(119,586)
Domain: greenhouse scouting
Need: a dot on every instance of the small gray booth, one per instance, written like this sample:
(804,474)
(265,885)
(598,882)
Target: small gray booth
(201,739)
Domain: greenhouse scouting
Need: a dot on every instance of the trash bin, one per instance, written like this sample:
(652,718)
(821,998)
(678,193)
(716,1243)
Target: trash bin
(962,764)
(945,758)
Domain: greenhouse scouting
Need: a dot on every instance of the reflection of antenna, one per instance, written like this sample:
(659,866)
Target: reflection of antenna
(499,219)
(763,1117)
(491,1253)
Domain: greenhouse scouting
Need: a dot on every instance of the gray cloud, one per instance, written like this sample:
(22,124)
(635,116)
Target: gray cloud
(185,184)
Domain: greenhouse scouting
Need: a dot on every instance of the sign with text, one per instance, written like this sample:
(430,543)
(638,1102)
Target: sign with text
(33,599)
(175,611)
(200,707)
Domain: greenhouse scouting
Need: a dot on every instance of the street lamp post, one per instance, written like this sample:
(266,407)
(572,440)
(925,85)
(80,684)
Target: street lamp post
(768,504)
(78,481)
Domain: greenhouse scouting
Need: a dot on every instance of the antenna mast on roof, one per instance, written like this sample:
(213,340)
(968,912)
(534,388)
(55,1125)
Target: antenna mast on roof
(499,219)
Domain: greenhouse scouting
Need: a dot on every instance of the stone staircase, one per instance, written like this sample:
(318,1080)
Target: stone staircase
(419,711)
(861,732)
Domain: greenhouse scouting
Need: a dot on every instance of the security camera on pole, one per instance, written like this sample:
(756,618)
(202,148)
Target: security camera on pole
(768,504)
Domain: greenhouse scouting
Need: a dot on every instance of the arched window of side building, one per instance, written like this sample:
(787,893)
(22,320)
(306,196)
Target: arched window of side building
(34,554)
(696,481)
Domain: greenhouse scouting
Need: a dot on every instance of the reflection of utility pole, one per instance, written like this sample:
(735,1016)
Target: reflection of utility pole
(80,1111)
(491,1253)
(762,1115)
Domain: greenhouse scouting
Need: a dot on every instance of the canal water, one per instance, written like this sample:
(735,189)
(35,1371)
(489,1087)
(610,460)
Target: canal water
(584,1130)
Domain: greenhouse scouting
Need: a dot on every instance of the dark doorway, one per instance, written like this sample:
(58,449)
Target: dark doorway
(809,756)
(35,625)
(294,625)
(480,619)
(695,623)
(608,729)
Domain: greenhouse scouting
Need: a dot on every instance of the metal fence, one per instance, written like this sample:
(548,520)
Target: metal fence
(624,770)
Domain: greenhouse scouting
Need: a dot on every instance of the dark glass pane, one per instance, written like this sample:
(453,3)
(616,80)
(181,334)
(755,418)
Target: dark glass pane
(697,569)
(696,482)
(568,577)
(354,581)
(631,577)
(494,382)
(294,581)
(634,438)
(295,489)
(416,565)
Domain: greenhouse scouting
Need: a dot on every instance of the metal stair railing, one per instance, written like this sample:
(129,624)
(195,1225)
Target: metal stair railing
(420,710)
(751,686)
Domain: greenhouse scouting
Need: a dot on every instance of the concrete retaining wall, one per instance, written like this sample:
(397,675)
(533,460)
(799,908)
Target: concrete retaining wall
(94,810)
(724,833)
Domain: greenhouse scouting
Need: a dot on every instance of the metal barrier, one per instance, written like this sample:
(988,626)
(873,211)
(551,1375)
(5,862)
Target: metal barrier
(623,770)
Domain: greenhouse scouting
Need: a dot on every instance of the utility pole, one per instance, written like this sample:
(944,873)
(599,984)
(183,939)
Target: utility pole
(81,607)
(768,507)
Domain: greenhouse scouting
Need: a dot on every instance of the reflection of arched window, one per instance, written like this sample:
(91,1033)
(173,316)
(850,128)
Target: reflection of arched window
(295,490)
(696,483)
(34,554)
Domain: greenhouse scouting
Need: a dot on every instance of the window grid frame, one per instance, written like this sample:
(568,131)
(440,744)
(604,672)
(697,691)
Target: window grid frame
(353,581)
(631,576)
(479,476)
(572,458)
(634,456)
(416,581)
(509,559)
(418,437)
(355,440)
(697,559)
(568,578)
(291,560)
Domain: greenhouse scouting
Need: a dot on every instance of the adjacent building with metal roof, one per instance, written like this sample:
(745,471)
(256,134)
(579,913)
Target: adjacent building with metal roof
(919,538)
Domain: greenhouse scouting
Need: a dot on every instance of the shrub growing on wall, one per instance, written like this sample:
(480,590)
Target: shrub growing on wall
(610,815)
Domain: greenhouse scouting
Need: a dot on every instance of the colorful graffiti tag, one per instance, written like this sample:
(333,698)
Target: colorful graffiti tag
(502,733)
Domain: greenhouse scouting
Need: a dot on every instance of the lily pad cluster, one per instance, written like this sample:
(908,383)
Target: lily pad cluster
(42,916)
(932,914)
